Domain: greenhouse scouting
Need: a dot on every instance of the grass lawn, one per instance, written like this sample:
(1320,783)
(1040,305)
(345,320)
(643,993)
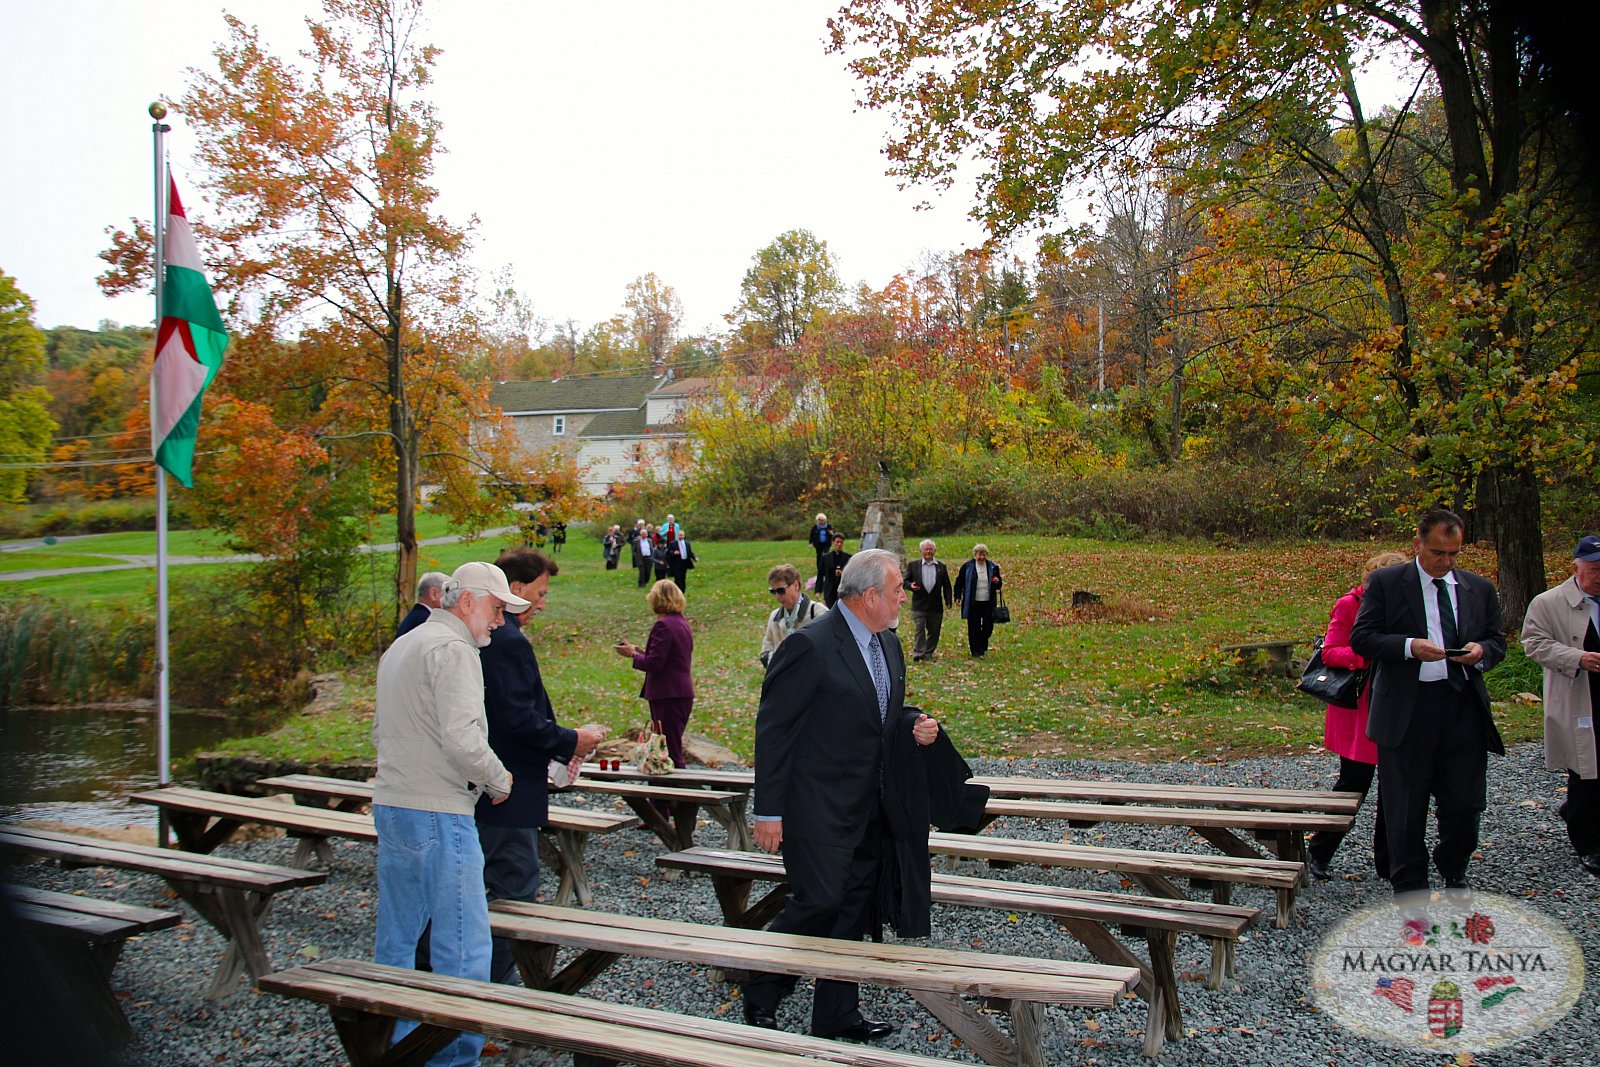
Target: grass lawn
(1143,680)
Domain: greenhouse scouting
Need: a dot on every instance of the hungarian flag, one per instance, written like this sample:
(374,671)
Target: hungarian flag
(189,348)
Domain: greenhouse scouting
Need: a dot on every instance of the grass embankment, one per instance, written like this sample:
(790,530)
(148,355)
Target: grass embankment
(1138,678)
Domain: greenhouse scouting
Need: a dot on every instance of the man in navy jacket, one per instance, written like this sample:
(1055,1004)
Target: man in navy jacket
(523,732)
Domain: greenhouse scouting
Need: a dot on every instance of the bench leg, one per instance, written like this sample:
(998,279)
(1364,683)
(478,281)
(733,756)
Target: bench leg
(574,881)
(976,1032)
(366,1039)
(194,835)
(1162,944)
(236,915)
(86,969)
(311,846)
(1027,1023)
(1219,962)
(1158,980)
(738,824)
(1159,885)
(1228,843)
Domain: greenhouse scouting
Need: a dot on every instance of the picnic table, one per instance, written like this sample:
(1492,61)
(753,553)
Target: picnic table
(234,896)
(202,820)
(733,815)
(83,938)
(937,978)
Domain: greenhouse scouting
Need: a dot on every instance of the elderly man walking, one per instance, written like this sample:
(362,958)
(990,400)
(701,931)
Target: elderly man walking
(928,581)
(434,761)
(1561,633)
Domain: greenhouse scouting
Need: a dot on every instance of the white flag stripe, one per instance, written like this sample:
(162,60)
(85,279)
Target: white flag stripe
(175,381)
(181,250)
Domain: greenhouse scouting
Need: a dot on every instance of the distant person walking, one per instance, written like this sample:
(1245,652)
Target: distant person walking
(977,586)
(611,546)
(1345,729)
(928,581)
(833,564)
(821,541)
(643,543)
(667,660)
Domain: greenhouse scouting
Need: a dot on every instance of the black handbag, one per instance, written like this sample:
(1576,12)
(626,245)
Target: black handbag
(1001,612)
(1339,686)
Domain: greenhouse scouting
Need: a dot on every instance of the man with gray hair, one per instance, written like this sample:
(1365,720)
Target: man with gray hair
(833,694)
(434,761)
(430,588)
(929,582)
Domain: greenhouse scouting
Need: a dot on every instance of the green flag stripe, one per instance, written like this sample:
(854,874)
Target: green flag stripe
(187,296)
(176,453)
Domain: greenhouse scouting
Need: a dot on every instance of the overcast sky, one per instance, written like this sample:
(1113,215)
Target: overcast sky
(595,141)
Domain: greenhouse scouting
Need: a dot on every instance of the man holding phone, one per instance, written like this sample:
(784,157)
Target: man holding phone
(1430,631)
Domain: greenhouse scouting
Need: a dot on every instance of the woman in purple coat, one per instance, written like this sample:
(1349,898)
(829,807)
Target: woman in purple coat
(665,660)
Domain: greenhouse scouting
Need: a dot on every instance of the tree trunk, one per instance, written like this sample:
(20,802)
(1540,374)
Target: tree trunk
(1508,511)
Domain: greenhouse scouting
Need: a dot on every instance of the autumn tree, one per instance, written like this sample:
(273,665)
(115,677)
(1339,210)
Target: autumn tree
(789,283)
(25,423)
(654,314)
(320,186)
(1049,95)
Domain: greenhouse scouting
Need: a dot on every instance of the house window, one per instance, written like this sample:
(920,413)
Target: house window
(560,428)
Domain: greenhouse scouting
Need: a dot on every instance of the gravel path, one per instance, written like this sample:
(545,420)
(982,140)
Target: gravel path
(1263,1016)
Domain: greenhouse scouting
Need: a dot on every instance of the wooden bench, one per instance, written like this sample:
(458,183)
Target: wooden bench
(202,820)
(1284,830)
(83,938)
(1153,870)
(1089,916)
(1250,798)
(365,1000)
(936,978)
(234,896)
(676,832)
(734,817)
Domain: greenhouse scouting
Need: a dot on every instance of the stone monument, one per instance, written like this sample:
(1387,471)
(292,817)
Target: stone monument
(884,526)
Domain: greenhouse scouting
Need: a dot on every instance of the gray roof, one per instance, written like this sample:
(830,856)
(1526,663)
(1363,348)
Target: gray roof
(616,424)
(625,392)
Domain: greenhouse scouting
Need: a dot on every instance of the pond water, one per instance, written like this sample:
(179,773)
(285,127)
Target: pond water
(77,764)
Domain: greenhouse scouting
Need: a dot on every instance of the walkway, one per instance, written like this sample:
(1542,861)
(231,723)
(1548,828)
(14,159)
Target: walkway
(133,563)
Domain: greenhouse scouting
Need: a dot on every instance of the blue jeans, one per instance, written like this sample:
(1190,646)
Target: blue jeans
(430,868)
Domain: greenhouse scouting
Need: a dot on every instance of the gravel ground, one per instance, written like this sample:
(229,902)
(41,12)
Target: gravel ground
(1263,1016)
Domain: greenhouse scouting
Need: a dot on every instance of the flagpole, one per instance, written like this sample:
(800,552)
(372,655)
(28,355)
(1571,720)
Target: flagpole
(158,129)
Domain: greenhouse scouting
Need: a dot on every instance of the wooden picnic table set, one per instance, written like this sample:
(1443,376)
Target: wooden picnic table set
(1131,937)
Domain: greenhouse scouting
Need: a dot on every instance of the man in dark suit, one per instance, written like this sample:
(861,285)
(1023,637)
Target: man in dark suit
(680,555)
(430,590)
(1428,711)
(833,565)
(929,582)
(832,695)
(523,733)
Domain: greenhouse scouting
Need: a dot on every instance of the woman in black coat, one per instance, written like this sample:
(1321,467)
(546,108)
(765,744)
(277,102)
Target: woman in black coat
(977,587)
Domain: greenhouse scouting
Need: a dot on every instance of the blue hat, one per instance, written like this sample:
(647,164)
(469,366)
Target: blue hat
(1588,549)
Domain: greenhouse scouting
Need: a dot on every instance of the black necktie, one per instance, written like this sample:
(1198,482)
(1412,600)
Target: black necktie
(1447,629)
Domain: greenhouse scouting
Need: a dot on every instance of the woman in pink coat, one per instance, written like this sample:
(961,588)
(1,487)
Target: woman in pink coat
(1345,730)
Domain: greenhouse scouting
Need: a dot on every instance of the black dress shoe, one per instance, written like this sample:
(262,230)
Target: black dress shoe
(1319,869)
(754,1016)
(865,1030)
(1591,863)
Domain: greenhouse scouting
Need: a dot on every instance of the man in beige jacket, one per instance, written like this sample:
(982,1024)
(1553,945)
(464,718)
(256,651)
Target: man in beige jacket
(1561,633)
(434,761)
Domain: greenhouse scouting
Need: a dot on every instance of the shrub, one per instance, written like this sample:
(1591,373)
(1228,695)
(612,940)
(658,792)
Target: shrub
(52,653)
(68,517)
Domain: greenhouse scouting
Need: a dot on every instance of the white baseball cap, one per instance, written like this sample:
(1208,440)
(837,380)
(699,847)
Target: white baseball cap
(487,578)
